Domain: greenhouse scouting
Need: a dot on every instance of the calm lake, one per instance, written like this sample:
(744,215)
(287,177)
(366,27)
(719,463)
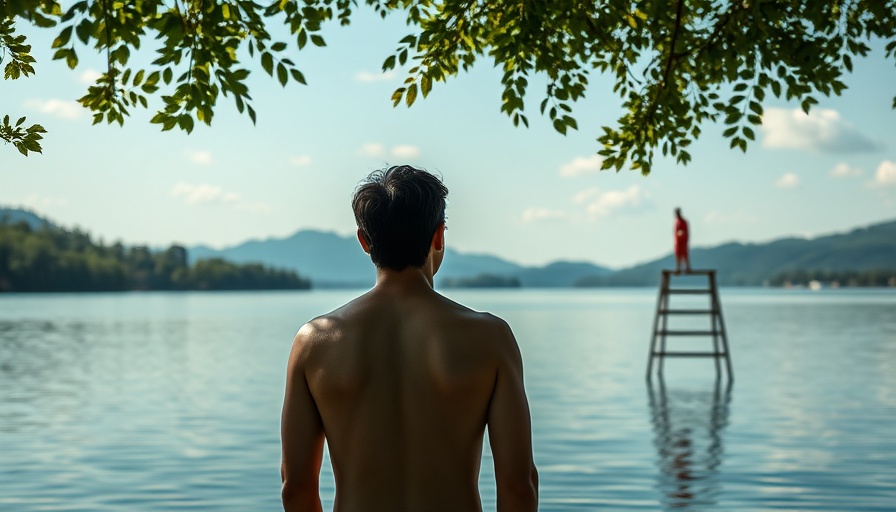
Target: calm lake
(171,401)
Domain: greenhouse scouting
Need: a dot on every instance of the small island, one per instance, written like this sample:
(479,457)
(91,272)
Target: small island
(481,281)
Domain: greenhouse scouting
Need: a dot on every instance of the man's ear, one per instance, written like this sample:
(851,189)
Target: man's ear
(364,244)
(438,238)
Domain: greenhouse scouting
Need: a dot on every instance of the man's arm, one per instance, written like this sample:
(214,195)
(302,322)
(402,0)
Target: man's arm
(301,434)
(510,431)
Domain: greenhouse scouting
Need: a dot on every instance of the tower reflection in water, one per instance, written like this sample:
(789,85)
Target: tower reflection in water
(688,425)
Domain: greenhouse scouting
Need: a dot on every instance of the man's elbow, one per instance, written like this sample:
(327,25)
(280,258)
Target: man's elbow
(520,493)
(299,498)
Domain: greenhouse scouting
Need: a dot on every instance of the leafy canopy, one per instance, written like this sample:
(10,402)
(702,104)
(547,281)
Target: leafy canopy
(675,64)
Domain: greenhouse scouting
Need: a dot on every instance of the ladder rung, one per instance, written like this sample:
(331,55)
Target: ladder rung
(690,354)
(691,273)
(687,333)
(687,311)
(688,290)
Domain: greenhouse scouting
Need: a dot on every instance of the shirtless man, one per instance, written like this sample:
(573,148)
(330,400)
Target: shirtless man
(402,381)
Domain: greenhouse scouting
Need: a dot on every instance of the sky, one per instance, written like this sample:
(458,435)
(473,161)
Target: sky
(528,195)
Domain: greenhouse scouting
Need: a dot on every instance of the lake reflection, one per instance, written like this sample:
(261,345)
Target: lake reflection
(688,426)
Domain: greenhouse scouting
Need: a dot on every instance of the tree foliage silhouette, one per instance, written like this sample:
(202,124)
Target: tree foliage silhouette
(675,64)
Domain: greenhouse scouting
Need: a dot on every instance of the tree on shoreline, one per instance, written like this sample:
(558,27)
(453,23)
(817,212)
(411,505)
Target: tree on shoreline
(676,65)
(53,259)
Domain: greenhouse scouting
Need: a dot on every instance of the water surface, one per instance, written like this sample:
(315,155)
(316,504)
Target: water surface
(171,401)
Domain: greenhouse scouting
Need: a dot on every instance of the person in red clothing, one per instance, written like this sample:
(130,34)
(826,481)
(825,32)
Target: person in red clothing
(681,243)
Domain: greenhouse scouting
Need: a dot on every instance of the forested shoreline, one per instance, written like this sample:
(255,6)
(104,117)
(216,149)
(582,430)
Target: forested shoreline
(53,259)
(851,278)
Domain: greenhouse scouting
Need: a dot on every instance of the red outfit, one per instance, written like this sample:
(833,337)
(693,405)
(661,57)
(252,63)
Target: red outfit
(681,238)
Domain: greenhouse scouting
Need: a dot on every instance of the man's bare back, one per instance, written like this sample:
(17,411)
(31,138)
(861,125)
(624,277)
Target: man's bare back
(403,382)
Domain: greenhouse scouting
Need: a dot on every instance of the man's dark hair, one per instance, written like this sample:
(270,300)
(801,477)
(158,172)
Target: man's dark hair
(397,211)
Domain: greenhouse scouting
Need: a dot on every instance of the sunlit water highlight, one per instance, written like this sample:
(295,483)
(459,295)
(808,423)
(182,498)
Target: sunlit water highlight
(155,401)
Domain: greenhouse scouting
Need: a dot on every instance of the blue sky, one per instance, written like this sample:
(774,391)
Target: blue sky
(529,195)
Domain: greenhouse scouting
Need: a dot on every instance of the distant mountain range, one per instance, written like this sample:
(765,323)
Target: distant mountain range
(862,249)
(332,260)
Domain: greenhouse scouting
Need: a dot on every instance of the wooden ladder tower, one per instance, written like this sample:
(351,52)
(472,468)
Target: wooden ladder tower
(661,330)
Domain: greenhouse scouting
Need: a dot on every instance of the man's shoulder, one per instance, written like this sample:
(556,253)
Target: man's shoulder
(481,326)
(481,319)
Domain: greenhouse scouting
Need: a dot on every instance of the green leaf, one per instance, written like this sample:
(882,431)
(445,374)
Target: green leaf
(267,63)
(83,30)
(63,37)
(560,126)
(185,122)
(411,95)
(425,85)
(298,76)
(397,95)
(282,74)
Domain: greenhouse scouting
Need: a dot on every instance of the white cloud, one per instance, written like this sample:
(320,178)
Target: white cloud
(581,166)
(39,202)
(543,214)
(820,130)
(366,76)
(300,161)
(89,76)
(886,174)
(843,170)
(379,151)
(200,157)
(203,193)
(405,151)
(230,197)
(586,195)
(603,204)
(198,194)
(371,149)
(58,108)
(788,180)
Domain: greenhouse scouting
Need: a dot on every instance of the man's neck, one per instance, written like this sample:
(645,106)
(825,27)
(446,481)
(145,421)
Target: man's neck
(407,280)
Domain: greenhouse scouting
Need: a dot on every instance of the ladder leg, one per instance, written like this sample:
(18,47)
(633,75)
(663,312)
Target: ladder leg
(656,319)
(664,328)
(723,336)
(714,311)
